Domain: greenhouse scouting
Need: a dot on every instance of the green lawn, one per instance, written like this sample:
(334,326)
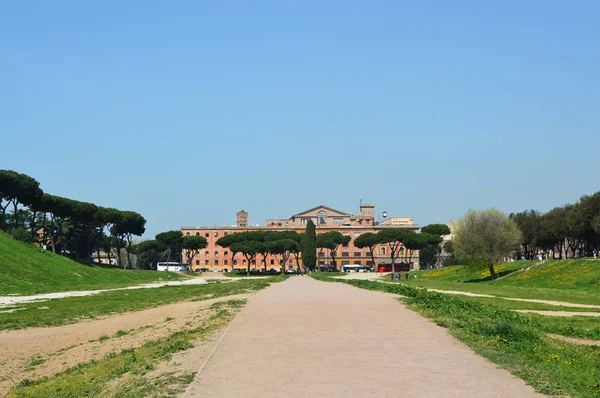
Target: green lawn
(75,309)
(26,269)
(574,281)
(516,342)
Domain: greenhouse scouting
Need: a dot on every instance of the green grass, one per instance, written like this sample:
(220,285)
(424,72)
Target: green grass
(124,374)
(524,305)
(26,269)
(517,342)
(75,309)
(574,281)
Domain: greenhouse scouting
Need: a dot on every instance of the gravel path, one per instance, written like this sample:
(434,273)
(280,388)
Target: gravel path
(304,338)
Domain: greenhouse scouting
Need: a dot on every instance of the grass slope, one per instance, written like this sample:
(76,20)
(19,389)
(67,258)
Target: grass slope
(25,269)
(575,281)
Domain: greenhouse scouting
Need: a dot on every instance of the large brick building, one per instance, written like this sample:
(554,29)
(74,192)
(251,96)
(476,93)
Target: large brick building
(325,218)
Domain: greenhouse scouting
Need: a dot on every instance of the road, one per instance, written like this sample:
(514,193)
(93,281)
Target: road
(304,338)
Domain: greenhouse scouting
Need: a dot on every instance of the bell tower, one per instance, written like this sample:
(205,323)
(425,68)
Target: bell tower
(242,218)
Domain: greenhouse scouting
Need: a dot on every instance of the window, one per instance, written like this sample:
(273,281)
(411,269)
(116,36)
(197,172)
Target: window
(357,262)
(368,254)
(345,254)
(216,234)
(253,262)
(226,262)
(345,262)
(197,262)
(244,262)
(290,262)
(206,253)
(356,234)
(216,254)
(272,262)
(206,235)
(187,234)
(225,253)
(216,262)
(321,254)
(226,233)
(234,262)
(338,220)
(382,251)
(304,220)
(356,254)
(197,233)
(321,218)
(206,262)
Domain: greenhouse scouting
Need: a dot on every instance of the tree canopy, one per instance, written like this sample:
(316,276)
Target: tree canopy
(486,237)
(309,246)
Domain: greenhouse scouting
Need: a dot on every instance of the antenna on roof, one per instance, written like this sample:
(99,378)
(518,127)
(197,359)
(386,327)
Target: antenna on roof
(361,202)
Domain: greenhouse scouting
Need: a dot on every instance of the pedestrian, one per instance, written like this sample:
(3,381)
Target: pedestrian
(415,277)
(595,254)
(392,274)
(406,275)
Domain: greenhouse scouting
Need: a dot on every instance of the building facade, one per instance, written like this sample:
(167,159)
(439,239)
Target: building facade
(325,218)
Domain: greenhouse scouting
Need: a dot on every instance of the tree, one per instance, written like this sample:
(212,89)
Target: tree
(332,241)
(309,246)
(17,189)
(170,242)
(436,229)
(249,248)
(191,246)
(428,245)
(129,223)
(394,238)
(283,248)
(148,253)
(529,223)
(370,241)
(484,238)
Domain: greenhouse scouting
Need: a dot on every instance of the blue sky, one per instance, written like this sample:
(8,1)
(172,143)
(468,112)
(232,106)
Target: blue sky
(187,111)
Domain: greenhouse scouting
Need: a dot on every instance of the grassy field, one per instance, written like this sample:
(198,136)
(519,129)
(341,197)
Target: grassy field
(574,281)
(130,373)
(26,269)
(517,342)
(75,309)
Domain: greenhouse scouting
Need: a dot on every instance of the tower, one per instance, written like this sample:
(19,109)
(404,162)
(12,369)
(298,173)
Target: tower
(242,218)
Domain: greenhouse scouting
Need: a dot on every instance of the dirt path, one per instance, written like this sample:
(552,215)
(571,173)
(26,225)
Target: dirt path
(57,348)
(575,340)
(303,338)
(559,313)
(459,292)
(12,300)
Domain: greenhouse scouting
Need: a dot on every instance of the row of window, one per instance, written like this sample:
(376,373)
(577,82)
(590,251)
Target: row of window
(235,262)
(382,251)
(207,234)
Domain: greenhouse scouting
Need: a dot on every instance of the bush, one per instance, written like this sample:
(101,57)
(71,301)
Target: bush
(22,235)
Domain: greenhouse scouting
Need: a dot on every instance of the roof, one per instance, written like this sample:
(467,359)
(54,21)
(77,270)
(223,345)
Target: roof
(318,207)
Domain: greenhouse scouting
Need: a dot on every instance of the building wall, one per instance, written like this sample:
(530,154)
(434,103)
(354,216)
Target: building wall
(216,257)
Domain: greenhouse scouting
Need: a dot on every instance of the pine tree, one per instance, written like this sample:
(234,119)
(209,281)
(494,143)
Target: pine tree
(309,246)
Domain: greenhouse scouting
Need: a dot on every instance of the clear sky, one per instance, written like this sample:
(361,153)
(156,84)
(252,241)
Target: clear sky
(187,111)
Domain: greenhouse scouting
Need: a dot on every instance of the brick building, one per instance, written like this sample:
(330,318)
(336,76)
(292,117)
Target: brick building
(325,218)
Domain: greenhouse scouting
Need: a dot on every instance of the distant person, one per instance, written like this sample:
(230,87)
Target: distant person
(415,277)
(392,275)
(595,254)
(406,275)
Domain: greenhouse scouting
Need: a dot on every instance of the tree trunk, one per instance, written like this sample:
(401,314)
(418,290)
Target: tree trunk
(493,272)
(16,214)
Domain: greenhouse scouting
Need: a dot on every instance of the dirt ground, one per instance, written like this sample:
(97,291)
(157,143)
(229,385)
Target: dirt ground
(37,352)
(302,338)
